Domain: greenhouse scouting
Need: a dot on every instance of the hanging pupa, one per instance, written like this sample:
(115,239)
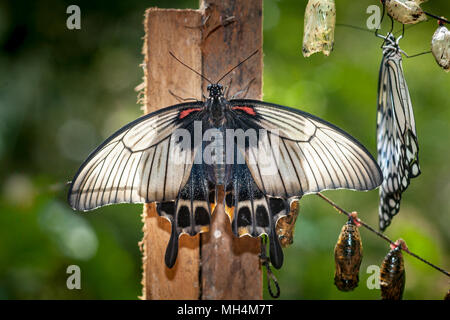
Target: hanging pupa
(440,46)
(392,274)
(318,33)
(348,255)
(286,225)
(405,11)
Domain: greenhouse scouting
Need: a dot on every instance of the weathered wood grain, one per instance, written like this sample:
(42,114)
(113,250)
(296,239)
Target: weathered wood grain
(230,267)
(211,40)
(168,30)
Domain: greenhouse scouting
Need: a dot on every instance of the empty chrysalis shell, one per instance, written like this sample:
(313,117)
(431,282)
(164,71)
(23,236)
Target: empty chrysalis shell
(440,47)
(348,256)
(286,225)
(318,33)
(405,11)
(392,274)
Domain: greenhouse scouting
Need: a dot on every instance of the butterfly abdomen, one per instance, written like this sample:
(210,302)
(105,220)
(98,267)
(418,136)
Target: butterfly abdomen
(219,161)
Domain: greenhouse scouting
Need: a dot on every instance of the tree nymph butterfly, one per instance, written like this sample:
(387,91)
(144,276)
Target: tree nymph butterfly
(396,132)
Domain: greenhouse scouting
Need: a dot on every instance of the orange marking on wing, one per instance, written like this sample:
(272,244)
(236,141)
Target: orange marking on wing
(230,212)
(248,110)
(187,112)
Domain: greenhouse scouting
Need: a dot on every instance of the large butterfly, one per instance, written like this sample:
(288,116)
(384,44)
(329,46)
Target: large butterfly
(396,132)
(262,155)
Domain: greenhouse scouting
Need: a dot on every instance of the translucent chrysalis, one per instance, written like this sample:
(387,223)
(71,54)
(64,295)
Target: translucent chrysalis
(440,47)
(318,33)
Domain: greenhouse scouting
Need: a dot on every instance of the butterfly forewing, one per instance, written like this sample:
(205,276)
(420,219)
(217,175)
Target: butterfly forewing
(140,163)
(310,154)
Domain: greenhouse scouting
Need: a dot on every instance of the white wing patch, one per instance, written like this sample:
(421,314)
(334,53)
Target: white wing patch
(310,154)
(139,163)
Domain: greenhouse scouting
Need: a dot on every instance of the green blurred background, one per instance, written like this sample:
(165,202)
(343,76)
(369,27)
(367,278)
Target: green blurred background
(63,91)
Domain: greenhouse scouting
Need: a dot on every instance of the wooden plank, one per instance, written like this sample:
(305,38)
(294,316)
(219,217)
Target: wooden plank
(168,30)
(230,267)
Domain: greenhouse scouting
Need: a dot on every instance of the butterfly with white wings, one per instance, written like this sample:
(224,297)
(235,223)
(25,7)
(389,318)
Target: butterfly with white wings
(396,132)
(262,155)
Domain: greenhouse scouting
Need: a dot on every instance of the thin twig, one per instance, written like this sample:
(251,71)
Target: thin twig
(340,210)
(436,17)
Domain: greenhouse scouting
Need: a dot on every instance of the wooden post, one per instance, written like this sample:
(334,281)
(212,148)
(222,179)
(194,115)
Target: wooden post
(167,30)
(230,266)
(211,40)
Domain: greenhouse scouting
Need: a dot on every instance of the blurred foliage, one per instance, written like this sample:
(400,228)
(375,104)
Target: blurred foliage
(63,91)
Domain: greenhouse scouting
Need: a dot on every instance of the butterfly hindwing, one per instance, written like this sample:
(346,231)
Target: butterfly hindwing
(190,213)
(254,213)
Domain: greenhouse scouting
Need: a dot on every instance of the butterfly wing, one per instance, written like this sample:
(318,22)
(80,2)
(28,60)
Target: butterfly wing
(140,163)
(295,154)
(251,211)
(396,137)
(303,154)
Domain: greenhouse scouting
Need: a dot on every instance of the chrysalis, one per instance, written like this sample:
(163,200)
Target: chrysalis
(286,225)
(440,46)
(318,33)
(392,274)
(406,11)
(348,255)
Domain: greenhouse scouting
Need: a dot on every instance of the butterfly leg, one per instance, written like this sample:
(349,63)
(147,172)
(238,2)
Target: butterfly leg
(244,91)
(180,99)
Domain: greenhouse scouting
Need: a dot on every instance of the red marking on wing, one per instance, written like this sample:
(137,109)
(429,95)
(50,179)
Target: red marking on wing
(248,110)
(187,112)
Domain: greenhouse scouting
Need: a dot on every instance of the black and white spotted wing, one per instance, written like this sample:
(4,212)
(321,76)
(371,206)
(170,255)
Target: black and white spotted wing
(396,133)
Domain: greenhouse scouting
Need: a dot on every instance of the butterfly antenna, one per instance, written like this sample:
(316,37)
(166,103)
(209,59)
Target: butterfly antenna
(416,55)
(184,64)
(237,66)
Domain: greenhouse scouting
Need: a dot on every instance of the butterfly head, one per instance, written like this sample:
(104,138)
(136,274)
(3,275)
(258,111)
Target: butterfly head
(215,90)
(391,44)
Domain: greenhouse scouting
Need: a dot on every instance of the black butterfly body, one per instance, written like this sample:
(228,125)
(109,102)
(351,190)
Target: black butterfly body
(262,155)
(396,132)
